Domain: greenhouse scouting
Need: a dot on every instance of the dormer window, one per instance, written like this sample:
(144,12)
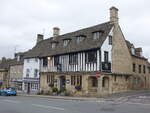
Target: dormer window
(97,35)
(53,45)
(80,38)
(132,50)
(66,42)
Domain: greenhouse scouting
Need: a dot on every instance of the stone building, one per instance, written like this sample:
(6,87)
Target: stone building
(4,72)
(16,71)
(94,61)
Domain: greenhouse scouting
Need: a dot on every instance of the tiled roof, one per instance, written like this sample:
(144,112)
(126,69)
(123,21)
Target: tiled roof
(44,48)
(137,55)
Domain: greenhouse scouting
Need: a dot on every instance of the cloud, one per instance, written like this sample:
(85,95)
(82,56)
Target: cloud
(22,20)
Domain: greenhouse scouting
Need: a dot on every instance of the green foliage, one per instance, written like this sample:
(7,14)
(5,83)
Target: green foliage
(55,89)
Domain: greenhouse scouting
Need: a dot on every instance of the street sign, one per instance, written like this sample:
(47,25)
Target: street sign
(98,74)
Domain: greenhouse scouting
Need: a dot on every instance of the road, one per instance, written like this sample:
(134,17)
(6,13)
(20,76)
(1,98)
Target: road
(19,104)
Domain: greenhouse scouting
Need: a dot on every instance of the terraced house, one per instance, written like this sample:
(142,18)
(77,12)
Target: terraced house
(94,61)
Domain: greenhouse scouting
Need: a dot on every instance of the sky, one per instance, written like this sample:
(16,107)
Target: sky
(22,20)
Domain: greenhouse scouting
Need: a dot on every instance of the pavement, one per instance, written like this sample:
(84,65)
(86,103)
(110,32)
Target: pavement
(113,97)
(129,102)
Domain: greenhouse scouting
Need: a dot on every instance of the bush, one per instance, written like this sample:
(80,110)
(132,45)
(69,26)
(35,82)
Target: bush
(54,89)
(63,90)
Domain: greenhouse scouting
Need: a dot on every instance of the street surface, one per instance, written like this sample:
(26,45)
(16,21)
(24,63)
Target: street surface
(138,102)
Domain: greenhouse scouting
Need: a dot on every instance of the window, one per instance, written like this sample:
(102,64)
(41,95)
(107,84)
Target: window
(134,67)
(106,56)
(110,40)
(80,39)
(36,73)
(28,60)
(27,73)
(45,61)
(144,69)
(53,45)
(66,42)
(115,78)
(139,68)
(97,35)
(73,59)
(91,56)
(36,59)
(76,80)
(50,79)
(133,51)
(56,60)
(94,82)
(148,69)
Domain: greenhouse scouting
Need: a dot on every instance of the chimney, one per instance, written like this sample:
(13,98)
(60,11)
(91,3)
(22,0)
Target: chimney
(3,59)
(39,38)
(56,31)
(139,51)
(114,15)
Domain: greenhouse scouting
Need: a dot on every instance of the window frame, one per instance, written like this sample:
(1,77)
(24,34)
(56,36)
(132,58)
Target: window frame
(97,34)
(140,69)
(73,59)
(80,38)
(106,56)
(27,73)
(110,40)
(134,67)
(56,60)
(66,42)
(45,62)
(76,80)
(36,73)
(91,56)
(53,45)
(144,69)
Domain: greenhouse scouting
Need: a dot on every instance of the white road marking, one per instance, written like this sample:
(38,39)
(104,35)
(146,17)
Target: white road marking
(51,107)
(12,101)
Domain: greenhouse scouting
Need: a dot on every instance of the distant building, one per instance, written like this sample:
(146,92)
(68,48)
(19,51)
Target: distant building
(4,72)
(16,71)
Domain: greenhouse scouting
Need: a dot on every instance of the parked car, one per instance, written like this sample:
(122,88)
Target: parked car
(10,91)
(0,91)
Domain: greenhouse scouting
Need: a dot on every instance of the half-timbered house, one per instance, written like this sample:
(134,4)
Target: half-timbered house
(94,61)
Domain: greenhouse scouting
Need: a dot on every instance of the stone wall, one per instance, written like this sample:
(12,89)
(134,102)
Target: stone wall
(4,79)
(121,58)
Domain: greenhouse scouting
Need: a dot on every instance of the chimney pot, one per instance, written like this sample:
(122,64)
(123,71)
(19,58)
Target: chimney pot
(56,31)
(114,15)
(40,37)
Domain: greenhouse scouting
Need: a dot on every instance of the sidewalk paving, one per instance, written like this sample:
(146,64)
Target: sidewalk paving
(113,97)
(64,97)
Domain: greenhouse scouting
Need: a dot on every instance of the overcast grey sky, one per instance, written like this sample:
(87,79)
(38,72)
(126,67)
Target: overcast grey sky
(22,20)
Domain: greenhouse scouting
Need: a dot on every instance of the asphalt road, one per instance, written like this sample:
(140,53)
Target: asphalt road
(19,104)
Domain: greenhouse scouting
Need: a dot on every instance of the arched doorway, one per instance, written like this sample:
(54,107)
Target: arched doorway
(92,84)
